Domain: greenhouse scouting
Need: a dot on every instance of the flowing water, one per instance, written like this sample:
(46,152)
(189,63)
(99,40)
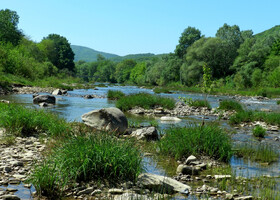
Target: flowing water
(73,106)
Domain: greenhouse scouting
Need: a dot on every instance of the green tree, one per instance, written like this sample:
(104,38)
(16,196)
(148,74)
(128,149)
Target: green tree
(60,52)
(123,70)
(188,37)
(9,31)
(137,74)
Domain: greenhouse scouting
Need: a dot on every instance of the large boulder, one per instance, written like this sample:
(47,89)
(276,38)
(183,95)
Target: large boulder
(110,119)
(162,184)
(44,99)
(147,133)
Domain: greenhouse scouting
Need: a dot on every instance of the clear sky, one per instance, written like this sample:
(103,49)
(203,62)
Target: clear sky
(138,26)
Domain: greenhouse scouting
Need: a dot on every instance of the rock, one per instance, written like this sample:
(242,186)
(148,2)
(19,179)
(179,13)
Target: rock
(130,196)
(162,184)
(57,92)
(88,96)
(265,110)
(95,192)
(167,118)
(115,191)
(10,197)
(4,101)
(44,98)
(112,119)
(229,196)
(187,170)
(85,191)
(148,133)
(190,159)
(16,163)
(44,104)
(218,177)
(244,198)
(7,169)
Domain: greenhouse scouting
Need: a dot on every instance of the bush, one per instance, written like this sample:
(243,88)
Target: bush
(278,102)
(231,105)
(259,131)
(144,100)
(181,142)
(115,94)
(22,121)
(99,157)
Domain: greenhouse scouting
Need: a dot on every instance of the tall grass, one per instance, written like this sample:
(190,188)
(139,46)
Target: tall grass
(21,121)
(158,90)
(99,157)
(259,131)
(196,140)
(200,103)
(144,100)
(231,105)
(250,116)
(115,94)
(261,153)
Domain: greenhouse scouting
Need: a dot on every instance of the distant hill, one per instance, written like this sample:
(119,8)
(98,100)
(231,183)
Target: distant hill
(90,55)
(270,32)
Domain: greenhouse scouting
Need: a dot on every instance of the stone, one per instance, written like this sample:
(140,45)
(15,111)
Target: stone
(57,92)
(190,159)
(162,184)
(44,98)
(85,191)
(10,197)
(147,133)
(110,119)
(130,196)
(244,198)
(229,196)
(7,169)
(16,163)
(187,170)
(167,118)
(43,104)
(218,177)
(4,101)
(95,192)
(115,191)
(88,96)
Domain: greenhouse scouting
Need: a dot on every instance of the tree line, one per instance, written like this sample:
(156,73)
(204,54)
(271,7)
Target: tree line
(237,58)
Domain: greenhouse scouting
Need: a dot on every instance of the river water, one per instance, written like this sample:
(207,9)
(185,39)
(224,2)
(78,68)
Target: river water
(73,106)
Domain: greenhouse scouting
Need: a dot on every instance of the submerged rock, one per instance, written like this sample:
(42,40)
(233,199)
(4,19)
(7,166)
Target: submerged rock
(110,119)
(168,118)
(162,184)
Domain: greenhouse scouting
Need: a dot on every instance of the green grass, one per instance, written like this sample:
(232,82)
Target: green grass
(251,116)
(278,102)
(21,121)
(99,157)
(200,103)
(231,105)
(261,153)
(144,100)
(158,90)
(181,142)
(115,94)
(259,131)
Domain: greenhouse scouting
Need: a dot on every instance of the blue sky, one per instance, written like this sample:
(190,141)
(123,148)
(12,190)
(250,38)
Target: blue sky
(138,26)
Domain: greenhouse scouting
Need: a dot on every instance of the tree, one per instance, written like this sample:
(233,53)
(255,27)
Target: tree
(188,37)
(138,72)
(230,34)
(60,54)
(9,31)
(123,70)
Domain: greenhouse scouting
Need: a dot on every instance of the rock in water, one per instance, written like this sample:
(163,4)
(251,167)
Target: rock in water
(148,133)
(162,184)
(110,119)
(44,98)
(57,92)
(167,118)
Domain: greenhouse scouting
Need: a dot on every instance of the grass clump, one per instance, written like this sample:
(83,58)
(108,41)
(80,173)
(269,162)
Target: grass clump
(115,94)
(251,116)
(21,121)
(278,102)
(210,140)
(200,103)
(99,157)
(231,105)
(161,90)
(262,153)
(259,131)
(144,100)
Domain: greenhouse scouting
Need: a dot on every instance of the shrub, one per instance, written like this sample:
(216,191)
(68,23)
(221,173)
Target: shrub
(19,120)
(99,157)
(144,100)
(278,102)
(231,105)
(196,140)
(115,94)
(259,131)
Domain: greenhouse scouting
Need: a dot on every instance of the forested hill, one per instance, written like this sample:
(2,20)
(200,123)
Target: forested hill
(90,55)
(270,32)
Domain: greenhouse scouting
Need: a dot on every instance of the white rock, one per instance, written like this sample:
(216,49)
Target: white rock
(190,159)
(167,118)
